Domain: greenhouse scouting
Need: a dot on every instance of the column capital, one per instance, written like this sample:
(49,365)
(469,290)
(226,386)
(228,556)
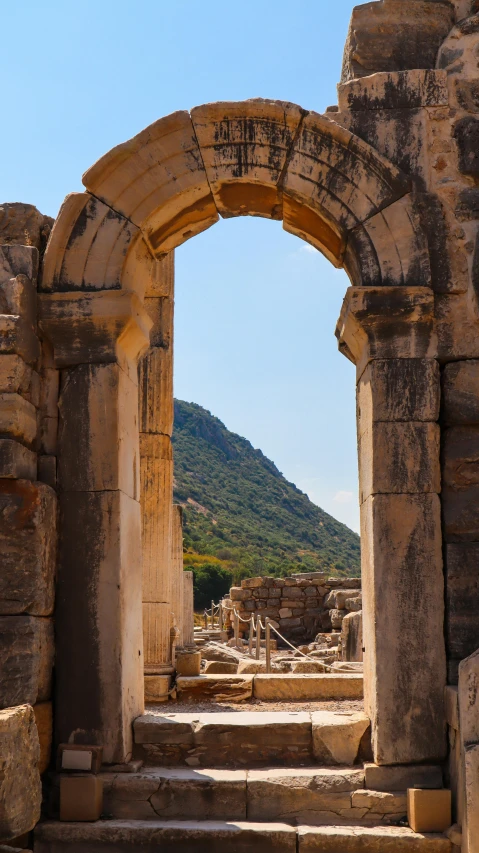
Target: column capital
(96,328)
(386,322)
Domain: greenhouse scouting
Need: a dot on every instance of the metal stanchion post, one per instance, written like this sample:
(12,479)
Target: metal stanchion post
(251,632)
(212,615)
(267,631)
(220,615)
(258,638)
(206,619)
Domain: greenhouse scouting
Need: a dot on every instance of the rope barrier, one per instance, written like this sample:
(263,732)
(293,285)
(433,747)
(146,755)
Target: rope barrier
(258,627)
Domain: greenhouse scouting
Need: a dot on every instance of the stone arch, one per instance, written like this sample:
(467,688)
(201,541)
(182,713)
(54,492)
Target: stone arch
(259,158)
(108,257)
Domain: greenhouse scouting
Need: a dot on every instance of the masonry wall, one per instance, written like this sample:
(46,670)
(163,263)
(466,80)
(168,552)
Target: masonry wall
(299,606)
(28,520)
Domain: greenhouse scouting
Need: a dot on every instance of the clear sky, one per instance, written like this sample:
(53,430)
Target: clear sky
(256,308)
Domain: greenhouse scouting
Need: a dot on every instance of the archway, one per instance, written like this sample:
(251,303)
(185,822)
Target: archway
(107,279)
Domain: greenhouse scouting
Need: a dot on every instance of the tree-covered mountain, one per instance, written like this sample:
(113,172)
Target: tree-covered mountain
(241,515)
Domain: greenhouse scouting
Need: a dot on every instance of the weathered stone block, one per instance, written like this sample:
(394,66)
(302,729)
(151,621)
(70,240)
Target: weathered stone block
(399,389)
(16,461)
(398,534)
(24,225)
(366,331)
(99,431)
(336,737)
(28,531)
(16,377)
(219,688)
(394,90)
(400,778)
(17,337)
(461,483)
(352,637)
(395,35)
(18,418)
(20,787)
(99,677)
(460,387)
(399,458)
(256,128)
(462,599)
(164,185)
(26,659)
(466,133)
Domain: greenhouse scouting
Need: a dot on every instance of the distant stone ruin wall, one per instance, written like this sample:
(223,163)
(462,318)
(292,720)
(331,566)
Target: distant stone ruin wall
(299,606)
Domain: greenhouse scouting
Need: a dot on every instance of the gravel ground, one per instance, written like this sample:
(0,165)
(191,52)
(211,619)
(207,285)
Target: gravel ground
(254,705)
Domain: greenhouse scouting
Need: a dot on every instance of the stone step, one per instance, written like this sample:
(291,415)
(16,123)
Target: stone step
(116,836)
(288,687)
(319,796)
(391,839)
(209,739)
(308,687)
(290,795)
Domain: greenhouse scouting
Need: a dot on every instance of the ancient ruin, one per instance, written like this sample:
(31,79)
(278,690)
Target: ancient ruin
(385,184)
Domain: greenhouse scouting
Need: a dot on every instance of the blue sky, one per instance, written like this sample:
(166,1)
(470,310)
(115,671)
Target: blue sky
(256,308)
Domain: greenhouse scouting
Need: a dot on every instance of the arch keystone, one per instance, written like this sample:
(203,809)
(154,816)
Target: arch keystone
(245,146)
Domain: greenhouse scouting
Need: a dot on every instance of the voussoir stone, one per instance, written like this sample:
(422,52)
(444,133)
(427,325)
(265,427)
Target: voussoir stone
(20,787)
(336,737)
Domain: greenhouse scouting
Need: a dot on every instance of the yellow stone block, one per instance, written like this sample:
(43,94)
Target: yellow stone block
(429,810)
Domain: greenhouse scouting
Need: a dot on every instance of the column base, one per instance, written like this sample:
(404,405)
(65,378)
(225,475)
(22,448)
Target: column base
(156,688)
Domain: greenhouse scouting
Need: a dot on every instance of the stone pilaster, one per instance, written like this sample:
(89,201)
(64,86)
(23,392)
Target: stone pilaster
(156,424)
(389,334)
(188,610)
(97,338)
(177,587)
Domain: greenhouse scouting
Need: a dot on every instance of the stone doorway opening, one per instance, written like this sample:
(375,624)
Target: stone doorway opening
(106,283)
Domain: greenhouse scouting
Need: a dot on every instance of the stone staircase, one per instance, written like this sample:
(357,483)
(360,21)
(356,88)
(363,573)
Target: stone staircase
(247,783)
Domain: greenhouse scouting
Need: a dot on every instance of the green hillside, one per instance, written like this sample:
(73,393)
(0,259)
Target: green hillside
(241,515)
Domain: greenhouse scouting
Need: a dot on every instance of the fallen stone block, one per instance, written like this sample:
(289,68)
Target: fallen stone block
(217,667)
(217,688)
(310,666)
(20,787)
(336,737)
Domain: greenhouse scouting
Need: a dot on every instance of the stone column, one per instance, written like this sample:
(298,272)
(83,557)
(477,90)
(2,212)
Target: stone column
(188,611)
(389,334)
(177,588)
(97,338)
(156,425)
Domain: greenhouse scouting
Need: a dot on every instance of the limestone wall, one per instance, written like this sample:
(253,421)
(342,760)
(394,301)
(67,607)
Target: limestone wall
(299,606)
(28,521)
